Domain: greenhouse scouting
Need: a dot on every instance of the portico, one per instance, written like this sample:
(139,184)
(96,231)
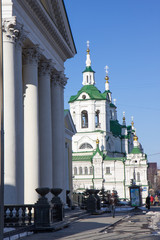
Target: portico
(34,53)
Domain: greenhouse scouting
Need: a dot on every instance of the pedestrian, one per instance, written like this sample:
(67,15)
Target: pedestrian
(112,203)
(156,201)
(148,202)
(152,199)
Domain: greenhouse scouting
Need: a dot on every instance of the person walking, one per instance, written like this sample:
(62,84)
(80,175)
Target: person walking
(156,201)
(148,202)
(152,199)
(113,204)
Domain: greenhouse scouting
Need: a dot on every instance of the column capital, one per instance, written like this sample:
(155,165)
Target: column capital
(21,36)
(31,55)
(10,32)
(59,79)
(45,67)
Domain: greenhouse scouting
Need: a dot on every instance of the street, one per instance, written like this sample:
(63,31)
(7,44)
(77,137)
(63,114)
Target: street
(138,225)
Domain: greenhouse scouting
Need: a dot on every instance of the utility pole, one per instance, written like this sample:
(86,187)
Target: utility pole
(1,132)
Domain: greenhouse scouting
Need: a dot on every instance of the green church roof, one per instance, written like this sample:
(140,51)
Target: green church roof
(88,69)
(136,150)
(114,158)
(115,128)
(82,158)
(91,90)
(112,105)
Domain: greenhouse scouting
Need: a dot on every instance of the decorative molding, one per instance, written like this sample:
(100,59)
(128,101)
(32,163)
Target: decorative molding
(22,35)
(59,79)
(10,33)
(44,67)
(38,14)
(31,55)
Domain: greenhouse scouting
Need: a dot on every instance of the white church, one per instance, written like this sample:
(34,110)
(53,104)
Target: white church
(105,153)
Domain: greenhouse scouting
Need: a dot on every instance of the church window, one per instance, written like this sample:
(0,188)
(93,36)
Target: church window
(87,79)
(86,171)
(107,170)
(86,145)
(84,96)
(91,170)
(84,119)
(75,171)
(97,124)
(111,113)
(80,171)
(138,177)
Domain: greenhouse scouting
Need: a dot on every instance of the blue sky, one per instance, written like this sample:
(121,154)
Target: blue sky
(125,35)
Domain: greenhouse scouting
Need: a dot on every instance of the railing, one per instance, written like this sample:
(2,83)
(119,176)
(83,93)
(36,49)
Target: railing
(18,215)
(79,199)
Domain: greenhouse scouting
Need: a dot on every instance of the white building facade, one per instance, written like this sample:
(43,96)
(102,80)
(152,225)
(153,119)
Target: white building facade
(105,153)
(37,40)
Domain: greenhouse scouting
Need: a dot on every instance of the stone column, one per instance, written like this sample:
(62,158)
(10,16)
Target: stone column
(58,146)
(45,127)
(31,124)
(19,118)
(9,36)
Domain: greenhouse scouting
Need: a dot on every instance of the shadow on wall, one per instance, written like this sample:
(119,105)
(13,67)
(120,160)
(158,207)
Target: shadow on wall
(10,195)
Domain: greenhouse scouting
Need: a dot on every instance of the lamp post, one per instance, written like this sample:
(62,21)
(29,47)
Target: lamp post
(1,133)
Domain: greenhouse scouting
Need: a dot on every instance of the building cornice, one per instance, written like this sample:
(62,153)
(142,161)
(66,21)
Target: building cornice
(43,21)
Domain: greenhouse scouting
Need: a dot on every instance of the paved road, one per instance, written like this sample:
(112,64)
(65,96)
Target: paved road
(101,227)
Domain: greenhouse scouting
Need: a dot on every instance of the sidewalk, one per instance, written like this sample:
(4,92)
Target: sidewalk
(80,225)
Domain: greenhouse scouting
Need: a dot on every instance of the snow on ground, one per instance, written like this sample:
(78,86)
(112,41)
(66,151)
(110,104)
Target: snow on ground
(154,222)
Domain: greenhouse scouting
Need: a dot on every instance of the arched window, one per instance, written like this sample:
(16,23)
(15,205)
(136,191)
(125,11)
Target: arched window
(80,171)
(86,171)
(97,124)
(84,119)
(86,145)
(138,177)
(75,171)
(87,79)
(91,170)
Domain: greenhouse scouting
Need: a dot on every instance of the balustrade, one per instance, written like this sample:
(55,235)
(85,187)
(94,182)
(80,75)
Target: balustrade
(18,215)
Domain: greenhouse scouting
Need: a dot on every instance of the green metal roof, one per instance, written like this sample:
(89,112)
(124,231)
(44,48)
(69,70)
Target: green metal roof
(98,151)
(107,158)
(88,69)
(91,90)
(82,158)
(115,128)
(112,105)
(136,150)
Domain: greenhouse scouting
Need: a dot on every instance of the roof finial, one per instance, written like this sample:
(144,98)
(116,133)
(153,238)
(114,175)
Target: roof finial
(88,47)
(135,138)
(124,116)
(132,123)
(88,60)
(97,141)
(106,78)
(114,101)
(124,119)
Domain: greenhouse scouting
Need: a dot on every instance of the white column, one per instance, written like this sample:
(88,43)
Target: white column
(58,146)
(10,190)
(31,124)
(45,127)
(19,119)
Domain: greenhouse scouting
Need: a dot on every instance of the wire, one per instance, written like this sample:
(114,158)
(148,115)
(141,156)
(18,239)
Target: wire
(153,154)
